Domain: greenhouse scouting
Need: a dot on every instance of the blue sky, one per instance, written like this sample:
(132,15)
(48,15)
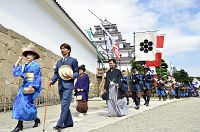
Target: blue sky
(178,19)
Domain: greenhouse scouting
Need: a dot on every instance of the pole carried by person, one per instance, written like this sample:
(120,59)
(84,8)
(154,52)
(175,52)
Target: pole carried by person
(46,104)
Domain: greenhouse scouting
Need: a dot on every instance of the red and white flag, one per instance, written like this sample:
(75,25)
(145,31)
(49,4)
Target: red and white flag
(111,44)
(116,51)
(158,55)
(145,44)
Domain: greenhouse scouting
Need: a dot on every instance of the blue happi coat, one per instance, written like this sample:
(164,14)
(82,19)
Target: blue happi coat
(146,80)
(135,80)
(23,107)
(125,83)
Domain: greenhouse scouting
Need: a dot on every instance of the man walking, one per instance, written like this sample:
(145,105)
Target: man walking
(135,80)
(114,88)
(147,77)
(65,72)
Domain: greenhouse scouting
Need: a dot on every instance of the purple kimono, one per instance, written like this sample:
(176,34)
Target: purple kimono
(82,83)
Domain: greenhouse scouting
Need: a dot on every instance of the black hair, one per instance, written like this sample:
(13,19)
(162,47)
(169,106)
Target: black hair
(146,68)
(35,56)
(134,68)
(67,46)
(82,67)
(123,71)
(112,60)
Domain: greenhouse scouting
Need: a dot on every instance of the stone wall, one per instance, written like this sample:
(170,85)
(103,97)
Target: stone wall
(11,44)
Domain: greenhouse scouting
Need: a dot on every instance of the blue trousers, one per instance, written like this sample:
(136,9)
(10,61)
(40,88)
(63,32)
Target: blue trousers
(182,94)
(65,115)
(161,92)
(172,92)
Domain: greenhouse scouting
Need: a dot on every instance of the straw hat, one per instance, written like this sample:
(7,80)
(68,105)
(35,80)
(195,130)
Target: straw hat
(65,69)
(30,50)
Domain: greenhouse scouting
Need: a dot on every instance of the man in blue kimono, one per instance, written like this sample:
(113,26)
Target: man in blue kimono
(147,77)
(65,86)
(135,80)
(161,89)
(125,83)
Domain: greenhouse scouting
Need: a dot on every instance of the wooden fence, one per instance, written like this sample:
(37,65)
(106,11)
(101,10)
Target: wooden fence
(6,103)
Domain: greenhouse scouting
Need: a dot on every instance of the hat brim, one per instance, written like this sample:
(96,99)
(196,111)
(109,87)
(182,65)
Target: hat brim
(146,68)
(25,53)
(65,68)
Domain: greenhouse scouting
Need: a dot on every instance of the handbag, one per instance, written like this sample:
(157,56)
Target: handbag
(28,90)
(104,95)
(82,106)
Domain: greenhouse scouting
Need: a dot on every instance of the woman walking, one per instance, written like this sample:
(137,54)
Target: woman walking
(23,107)
(82,91)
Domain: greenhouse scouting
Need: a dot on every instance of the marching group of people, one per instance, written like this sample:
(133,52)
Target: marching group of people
(118,88)
(170,89)
(139,85)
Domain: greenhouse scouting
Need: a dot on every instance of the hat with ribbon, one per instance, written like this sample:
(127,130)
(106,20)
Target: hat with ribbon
(30,50)
(65,70)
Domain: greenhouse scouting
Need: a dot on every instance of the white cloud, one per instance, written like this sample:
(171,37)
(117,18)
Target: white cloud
(171,6)
(193,71)
(177,42)
(178,19)
(193,23)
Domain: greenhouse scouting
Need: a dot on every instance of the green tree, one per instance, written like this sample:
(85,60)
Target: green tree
(138,64)
(162,70)
(181,76)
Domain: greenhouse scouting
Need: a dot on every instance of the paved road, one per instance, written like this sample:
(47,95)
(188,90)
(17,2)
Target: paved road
(179,116)
(97,117)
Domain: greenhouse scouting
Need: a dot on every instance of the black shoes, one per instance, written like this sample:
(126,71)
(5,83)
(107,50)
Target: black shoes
(18,128)
(127,102)
(57,128)
(71,125)
(137,107)
(146,103)
(60,128)
(37,121)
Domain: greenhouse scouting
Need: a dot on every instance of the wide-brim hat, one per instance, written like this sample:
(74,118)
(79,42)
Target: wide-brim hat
(30,50)
(65,69)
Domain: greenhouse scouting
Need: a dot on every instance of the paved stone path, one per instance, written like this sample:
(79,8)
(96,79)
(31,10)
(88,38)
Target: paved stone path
(179,116)
(95,118)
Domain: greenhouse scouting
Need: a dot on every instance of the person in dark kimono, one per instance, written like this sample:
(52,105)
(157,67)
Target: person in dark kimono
(135,80)
(161,89)
(171,91)
(23,107)
(177,90)
(82,90)
(117,106)
(146,80)
(125,83)
(65,85)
